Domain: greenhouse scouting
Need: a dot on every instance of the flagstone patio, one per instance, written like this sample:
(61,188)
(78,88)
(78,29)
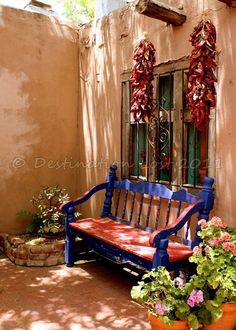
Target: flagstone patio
(91,295)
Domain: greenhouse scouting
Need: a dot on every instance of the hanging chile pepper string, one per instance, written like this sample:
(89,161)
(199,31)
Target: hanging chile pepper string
(201,93)
(141,80)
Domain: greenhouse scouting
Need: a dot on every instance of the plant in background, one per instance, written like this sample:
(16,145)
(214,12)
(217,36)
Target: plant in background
(199,301)
(79,11)
(48,220)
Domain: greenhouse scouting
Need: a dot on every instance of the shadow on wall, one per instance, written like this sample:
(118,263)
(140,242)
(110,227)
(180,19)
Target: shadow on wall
(100,133)
(39,105)
(19,133)
(225,23)
(87,296)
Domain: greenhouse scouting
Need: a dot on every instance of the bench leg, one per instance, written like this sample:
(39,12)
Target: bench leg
(161,257)
(70,250)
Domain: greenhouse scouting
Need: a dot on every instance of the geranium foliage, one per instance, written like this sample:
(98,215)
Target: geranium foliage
(199,299)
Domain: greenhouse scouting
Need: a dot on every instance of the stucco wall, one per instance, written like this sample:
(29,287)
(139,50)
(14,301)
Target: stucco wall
(38,110)
(61,125)
(106,51)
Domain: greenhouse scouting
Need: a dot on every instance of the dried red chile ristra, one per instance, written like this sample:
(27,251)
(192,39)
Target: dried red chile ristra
(141,80)
(201,93)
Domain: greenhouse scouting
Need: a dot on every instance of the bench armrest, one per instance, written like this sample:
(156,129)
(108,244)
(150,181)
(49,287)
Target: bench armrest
(74,202)
(176,225)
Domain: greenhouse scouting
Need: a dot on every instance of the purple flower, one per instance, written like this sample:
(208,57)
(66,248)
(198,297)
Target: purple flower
(214,241)
(199,296)
(195,297)
(197,250)
(207,249)
(191,301)
(161,309)
(179,282)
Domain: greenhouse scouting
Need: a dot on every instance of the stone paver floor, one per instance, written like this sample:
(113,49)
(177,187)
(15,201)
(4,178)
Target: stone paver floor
(89,296)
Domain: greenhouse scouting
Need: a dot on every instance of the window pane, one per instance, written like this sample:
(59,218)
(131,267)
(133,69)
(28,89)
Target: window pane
(138,138)
(166,91)
(196,155)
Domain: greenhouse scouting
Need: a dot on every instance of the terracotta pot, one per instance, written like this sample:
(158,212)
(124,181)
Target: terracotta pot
(227,321)
(158,324)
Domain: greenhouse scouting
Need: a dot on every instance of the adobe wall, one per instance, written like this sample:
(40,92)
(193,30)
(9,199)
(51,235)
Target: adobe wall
(106,51)
(46,140)
(38,110)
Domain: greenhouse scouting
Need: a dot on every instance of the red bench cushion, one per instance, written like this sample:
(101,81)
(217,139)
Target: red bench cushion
(127,238)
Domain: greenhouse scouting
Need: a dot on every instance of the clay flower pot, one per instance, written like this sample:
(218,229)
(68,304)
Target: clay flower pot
(158,324)
(227,320)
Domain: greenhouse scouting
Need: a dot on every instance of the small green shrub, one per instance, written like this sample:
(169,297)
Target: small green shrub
(48,220)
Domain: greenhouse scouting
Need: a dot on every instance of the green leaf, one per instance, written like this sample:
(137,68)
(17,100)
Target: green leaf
(214,281)
(214,308)
(193,321)
(167,320)
(79,11)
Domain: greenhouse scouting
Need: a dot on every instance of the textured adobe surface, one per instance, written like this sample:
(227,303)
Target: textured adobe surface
(89,296)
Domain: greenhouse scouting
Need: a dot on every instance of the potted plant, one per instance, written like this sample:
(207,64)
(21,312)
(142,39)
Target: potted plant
(202,300)
(215,260)
(48,220)
(166,300)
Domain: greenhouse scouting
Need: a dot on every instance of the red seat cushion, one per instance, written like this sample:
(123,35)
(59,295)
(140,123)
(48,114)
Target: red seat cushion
(127,238)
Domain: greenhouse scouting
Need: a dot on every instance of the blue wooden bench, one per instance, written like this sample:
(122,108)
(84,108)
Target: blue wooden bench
(141,223)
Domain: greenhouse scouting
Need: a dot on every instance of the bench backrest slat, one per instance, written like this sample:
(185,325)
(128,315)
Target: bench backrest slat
(168,211)
(140,209)
(149,211)
(117,202)
(132,208)
(179,209)
(124,205)
(158,212)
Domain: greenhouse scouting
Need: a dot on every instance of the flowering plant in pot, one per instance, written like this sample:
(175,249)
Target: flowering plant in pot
(199,300)
(166,300)
(215,260)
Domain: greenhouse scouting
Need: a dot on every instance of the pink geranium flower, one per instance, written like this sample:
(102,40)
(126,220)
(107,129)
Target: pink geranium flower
(228,246)
(214,241)
(225,237)
(207,249)
(197,250)
(217,222)
(161,309)
(195,298)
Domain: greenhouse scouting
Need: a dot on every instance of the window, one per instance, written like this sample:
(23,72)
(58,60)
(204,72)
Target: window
(168,149)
